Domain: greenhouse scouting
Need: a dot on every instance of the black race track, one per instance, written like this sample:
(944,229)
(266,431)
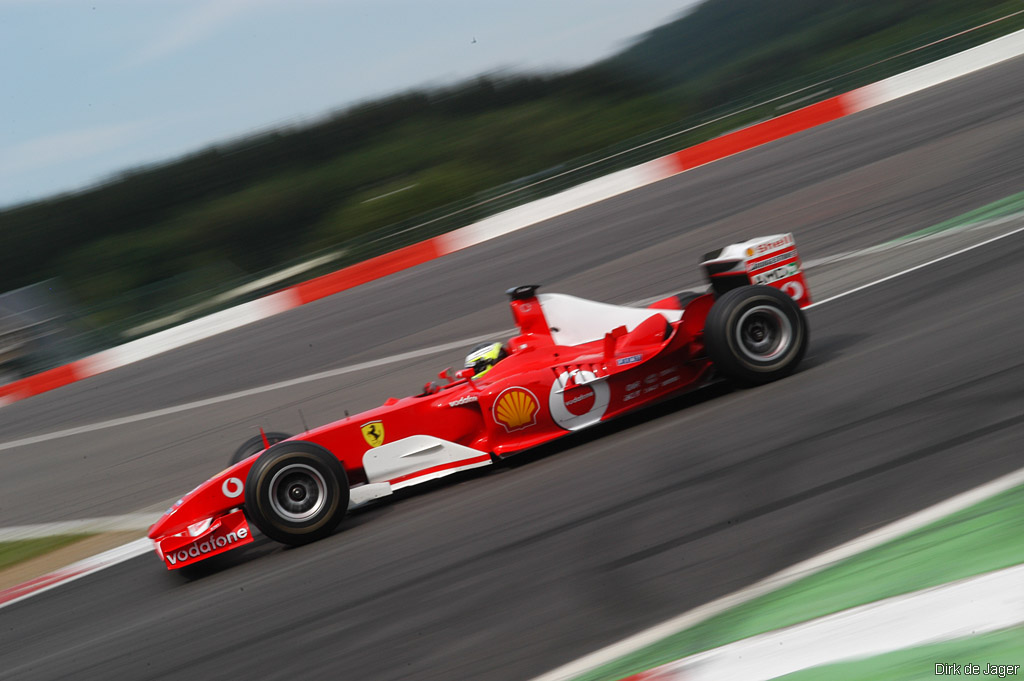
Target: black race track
(911,393)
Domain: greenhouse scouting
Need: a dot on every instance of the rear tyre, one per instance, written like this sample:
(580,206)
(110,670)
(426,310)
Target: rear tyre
(255,444)
(755,334)
(296,492)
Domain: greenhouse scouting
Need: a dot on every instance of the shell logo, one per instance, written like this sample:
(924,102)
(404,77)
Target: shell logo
(516,408)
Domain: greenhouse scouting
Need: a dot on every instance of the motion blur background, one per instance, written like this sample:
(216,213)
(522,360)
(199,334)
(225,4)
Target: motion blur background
(194,214)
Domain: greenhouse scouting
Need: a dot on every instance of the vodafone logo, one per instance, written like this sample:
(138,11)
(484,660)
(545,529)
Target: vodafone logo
(579,401)
(793,289)
(575,406)
(232,488)
(200,549)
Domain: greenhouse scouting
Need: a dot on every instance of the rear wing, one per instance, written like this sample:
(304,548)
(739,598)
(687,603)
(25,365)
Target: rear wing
(768,260)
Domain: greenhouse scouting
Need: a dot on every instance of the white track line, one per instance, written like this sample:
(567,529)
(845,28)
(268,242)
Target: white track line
(632,643)
(75,571)
(917,267)
(116,523)
(413,354)
(166,411)
(788,576)
(965,608)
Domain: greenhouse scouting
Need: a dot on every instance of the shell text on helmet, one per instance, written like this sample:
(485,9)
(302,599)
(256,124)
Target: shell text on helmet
(516,408)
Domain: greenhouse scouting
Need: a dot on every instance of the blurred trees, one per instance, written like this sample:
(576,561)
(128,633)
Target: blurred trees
(726,49)
(259,200)
(254,203)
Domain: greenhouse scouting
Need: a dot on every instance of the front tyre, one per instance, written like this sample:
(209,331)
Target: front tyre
(296,492)
(755,334)
(255,444)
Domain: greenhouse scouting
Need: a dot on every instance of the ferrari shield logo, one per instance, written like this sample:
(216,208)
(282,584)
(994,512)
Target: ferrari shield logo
(373,433)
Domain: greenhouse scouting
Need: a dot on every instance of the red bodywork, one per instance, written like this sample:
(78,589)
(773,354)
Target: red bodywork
(554,380)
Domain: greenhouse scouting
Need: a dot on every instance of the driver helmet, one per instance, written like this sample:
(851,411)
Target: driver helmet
(485,356)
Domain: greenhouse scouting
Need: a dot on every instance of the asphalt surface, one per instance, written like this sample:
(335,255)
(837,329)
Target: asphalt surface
(909,394)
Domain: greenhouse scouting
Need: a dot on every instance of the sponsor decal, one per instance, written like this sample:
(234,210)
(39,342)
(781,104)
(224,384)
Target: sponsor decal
(208,545)
(776,274)
(468,399)
(794,289)
(669,381)
(768,262)
(651,378)
(515,409)
(625,361)
(667,372)
(232,488)
(631,396)
(373,433)
(768,246)
(578,399)
(633,386)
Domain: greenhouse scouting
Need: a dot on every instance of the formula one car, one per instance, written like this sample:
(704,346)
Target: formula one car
(573,364)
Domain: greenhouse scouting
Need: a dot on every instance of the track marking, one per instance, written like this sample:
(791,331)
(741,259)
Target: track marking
(609,653)
(198,404)
(117,523)
(785,577)
(414,354)
(75,571)
(965,608)
(890,277)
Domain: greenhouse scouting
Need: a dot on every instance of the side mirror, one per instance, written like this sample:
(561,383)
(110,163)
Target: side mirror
(446,375)
(465,373)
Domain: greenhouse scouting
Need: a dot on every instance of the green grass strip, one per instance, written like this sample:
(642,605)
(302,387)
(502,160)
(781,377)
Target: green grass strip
(916,664)
(14,552)
(979,539)
(1001,208)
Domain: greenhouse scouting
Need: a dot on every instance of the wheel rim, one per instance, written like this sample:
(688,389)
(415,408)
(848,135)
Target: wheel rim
(764,333)
(298,492)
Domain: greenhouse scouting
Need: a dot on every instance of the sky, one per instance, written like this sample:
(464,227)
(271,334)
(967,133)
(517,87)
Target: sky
(90,88)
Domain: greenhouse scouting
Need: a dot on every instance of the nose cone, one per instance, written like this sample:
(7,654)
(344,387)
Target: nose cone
(218,495)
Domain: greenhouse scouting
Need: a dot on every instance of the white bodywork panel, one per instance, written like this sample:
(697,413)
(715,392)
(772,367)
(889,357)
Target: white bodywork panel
(573,320)
(419,453)
(361,494)
(755,247)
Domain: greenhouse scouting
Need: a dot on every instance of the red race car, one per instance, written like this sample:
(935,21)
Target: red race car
(574,363)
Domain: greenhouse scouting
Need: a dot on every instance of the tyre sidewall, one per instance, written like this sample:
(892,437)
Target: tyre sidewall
(260,510)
